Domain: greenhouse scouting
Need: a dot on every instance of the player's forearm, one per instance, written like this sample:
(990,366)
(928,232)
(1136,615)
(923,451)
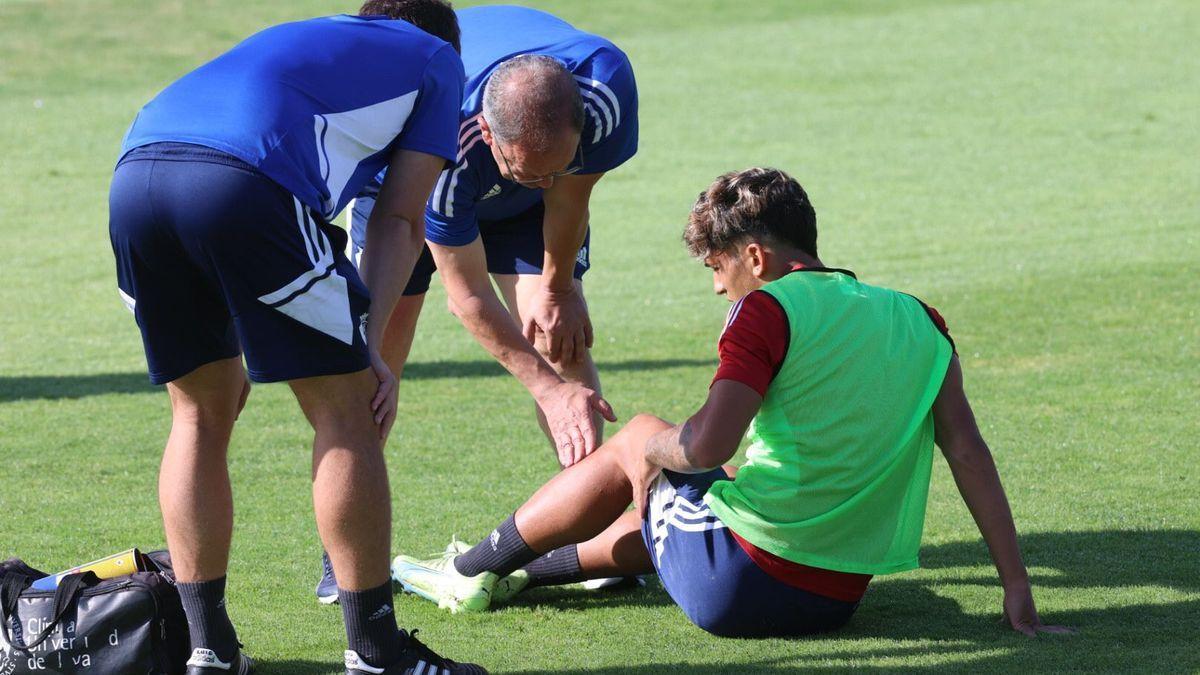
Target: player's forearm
(979,484)
(387,263)
(494,329)
(682,450)
(563,232)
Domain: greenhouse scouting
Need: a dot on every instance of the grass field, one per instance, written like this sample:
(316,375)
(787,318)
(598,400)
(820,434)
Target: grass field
(1030,168)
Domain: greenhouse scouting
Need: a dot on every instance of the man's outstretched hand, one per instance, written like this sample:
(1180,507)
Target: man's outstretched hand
(1021,614)
(568,409)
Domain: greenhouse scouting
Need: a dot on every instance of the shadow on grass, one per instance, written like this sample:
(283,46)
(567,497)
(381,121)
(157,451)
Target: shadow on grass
(56,387)
(433,370)
(919,625)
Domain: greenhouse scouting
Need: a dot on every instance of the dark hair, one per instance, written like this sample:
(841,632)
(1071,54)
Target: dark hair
(757,204)
(435,17)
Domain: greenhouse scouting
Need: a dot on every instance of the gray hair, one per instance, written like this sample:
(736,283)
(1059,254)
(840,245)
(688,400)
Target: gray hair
(531,98)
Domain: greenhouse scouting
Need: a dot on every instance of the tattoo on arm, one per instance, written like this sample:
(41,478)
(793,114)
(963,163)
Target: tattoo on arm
(672,449)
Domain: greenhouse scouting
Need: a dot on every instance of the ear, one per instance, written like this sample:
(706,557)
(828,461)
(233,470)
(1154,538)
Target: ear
(486,130)
(756,256)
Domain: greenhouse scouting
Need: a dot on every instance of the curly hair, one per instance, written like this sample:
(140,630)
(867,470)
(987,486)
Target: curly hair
(435,17)
(758,204)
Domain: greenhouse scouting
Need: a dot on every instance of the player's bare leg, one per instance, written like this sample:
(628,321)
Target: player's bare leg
(350,485)
(518,291)
(618,551)
(196,500)
(584,500)
(193,483)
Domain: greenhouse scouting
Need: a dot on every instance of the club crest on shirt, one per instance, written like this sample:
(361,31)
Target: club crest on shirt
(492,192)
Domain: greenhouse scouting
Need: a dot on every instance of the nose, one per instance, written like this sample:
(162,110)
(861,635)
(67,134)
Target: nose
(718,287)
(545,183)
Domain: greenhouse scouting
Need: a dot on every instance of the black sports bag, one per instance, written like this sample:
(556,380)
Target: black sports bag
(130,625)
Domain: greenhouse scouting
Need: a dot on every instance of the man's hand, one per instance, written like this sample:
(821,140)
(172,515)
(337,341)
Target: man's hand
(383,405)
(568,408)
(1021,614)
(561,317)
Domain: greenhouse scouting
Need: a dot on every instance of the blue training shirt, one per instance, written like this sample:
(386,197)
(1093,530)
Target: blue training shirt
(473,189)
(318,106)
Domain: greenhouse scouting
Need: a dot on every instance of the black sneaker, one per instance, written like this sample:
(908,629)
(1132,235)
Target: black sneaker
(417,659)
(205,662)
(327,590)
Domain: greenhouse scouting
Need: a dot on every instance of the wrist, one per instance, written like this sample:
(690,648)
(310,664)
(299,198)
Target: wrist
(557,285)
(1016,582)
(545,385)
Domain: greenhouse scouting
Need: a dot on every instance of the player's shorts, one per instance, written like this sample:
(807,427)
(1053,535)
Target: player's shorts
(512,245)
(215,259)
(709,575)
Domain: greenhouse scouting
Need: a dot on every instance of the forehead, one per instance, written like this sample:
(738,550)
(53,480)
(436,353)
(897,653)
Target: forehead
(716,258)
(560,153)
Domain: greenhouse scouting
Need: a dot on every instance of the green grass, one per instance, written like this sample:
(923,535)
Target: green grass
(1030,168)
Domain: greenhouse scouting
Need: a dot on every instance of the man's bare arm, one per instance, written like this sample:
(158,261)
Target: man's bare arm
(558,310)
(978,482)
(710,437)
(567,406)
(395,235)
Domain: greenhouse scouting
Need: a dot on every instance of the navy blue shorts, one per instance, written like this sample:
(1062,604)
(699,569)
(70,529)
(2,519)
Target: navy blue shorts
(215,259)
(513,245)
(711,578)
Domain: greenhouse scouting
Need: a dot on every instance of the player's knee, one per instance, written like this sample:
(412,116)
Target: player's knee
(212,414)
(214,410)
(647,423)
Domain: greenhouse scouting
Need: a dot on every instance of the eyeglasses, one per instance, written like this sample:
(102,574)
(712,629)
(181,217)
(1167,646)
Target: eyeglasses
(575,166)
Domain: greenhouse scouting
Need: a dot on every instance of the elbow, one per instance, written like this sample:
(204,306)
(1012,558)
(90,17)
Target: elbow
(411,230)
(468,306)
(969,451)
(706,456)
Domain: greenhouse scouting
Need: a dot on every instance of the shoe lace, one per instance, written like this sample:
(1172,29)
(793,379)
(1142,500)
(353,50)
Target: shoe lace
(424,651)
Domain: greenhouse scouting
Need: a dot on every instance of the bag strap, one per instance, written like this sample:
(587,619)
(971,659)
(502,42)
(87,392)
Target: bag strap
(69,588)
(10,590)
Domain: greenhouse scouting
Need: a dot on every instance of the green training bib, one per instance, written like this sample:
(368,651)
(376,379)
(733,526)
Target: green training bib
(837,474)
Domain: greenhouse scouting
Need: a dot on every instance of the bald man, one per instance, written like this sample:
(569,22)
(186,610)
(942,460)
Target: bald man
(547,111)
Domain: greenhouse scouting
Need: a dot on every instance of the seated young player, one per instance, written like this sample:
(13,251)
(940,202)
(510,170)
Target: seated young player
(845,388)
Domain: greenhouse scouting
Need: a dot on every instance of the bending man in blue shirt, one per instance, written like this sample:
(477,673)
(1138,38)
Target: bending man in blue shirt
(547,111)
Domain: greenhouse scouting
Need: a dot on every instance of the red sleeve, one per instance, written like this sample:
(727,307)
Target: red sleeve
(936,317)
(754,342)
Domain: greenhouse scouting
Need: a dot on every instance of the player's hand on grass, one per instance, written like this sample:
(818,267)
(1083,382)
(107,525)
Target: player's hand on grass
(568,408)
(383,405)
(1021,614)
(560,317)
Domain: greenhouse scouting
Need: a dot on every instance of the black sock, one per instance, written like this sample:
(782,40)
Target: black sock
(558,567)
(208,623)
(371,624)
(503,552)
